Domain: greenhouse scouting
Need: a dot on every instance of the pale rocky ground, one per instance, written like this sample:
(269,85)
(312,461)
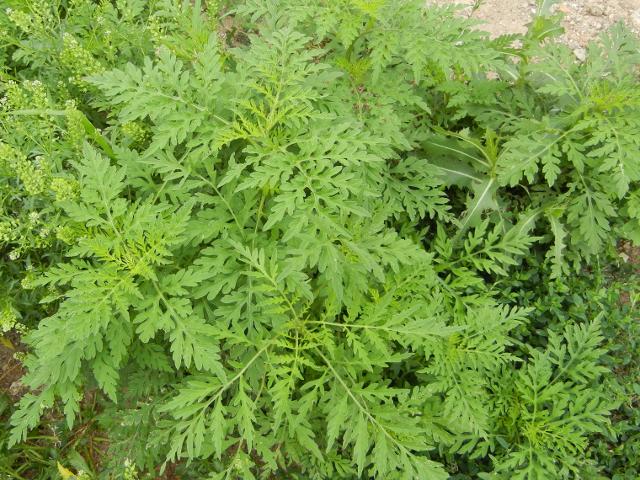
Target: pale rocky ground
(584,19)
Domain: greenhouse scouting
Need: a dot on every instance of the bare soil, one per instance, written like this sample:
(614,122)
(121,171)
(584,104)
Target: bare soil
(583,19)
(10,369)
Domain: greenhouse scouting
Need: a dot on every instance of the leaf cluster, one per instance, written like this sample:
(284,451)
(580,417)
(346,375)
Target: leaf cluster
(301,241)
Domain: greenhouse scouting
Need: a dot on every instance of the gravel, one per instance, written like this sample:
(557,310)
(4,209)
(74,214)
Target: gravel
(583,19)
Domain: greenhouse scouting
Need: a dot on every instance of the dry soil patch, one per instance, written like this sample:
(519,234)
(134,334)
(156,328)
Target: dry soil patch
(584,19)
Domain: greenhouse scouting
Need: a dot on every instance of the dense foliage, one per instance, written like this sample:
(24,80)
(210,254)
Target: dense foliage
(334,239)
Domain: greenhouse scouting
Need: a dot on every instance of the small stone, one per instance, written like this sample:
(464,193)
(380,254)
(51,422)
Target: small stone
(580,53)
(17,389)
(596,9)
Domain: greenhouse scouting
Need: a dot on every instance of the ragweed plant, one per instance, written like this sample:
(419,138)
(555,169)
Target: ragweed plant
(281,238)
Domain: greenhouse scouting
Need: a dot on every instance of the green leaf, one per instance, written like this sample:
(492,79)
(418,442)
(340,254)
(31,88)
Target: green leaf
(361,443)
(483,199)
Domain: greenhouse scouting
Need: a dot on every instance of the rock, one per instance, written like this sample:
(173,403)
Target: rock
(580,53)
(596,8)
(635,18)
(17,389)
